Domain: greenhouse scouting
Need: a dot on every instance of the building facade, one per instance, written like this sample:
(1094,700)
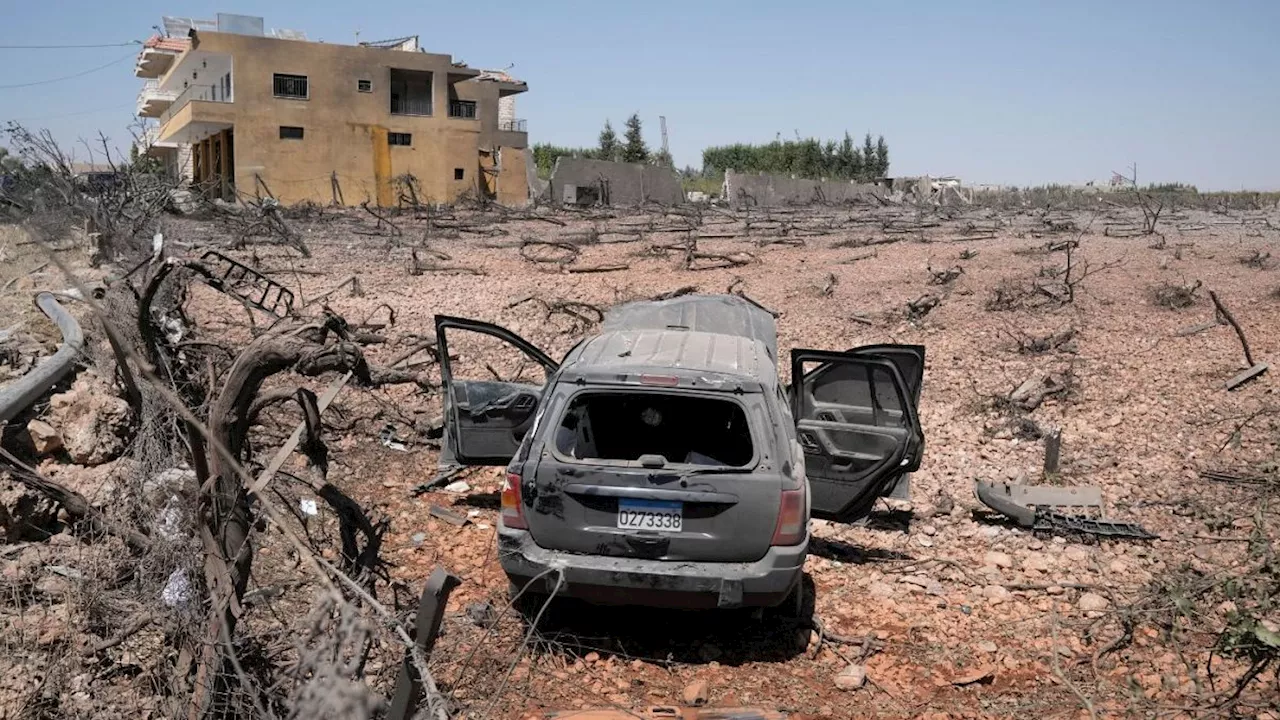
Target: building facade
(246,112)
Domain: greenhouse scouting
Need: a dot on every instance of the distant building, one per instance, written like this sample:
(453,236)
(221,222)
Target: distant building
(241,110)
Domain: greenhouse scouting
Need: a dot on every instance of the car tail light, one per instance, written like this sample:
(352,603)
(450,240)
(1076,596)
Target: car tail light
(512,509)
(790,529)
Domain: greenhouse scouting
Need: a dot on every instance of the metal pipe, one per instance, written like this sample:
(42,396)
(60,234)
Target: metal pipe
(19,394)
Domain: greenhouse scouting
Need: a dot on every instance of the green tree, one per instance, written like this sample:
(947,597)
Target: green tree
(608,143)
(634,150)
(869,167)
(663,158)
(144,163)
(882,157)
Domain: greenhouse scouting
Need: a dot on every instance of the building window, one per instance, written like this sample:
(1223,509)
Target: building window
(290,86)
(405,139)
(364,85)
(410,92)
(458,173)
(462,109)
(288,132)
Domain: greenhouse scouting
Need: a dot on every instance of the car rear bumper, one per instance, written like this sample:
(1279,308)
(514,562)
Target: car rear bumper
(656,583)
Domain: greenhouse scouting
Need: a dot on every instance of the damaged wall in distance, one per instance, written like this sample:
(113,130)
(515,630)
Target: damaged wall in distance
(628,183)
(775,190)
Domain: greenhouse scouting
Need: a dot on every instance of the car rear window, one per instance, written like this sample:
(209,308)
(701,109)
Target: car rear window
(622,426)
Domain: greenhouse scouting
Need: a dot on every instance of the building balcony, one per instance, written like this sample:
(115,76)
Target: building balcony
(200,111)
(152,101)
(512,133)
(158,54)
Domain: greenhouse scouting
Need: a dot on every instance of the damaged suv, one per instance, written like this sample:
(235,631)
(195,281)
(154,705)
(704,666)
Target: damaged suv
(663,463)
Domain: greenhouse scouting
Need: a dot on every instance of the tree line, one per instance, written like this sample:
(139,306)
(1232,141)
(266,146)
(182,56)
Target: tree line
(631,148)
(807,158)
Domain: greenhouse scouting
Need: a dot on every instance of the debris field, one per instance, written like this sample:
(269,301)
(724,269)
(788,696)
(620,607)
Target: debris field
(1093,324)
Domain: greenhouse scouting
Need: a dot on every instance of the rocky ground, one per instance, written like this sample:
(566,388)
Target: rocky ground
(937,608)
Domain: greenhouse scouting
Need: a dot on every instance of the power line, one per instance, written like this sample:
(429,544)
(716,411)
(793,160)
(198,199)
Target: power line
(67,47)
(67,77)
(71,114)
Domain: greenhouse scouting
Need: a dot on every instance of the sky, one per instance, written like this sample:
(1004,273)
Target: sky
(1008,92)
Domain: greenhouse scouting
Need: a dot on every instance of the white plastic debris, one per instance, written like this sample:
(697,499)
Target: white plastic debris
(458,486)
(308,507)
(169,521)
(177,591)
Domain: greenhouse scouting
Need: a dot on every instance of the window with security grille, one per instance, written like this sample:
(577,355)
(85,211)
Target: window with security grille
(290,86)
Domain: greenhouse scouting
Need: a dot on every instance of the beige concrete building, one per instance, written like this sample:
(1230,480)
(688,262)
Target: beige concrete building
(242,111)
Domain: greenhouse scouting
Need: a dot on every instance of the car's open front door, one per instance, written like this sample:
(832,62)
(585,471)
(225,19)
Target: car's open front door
(485,420)
(855,415)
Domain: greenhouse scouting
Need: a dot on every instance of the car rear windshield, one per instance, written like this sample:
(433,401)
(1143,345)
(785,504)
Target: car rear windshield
(691,429)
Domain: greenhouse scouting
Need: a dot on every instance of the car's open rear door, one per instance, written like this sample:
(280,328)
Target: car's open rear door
(485,420)
(855,415)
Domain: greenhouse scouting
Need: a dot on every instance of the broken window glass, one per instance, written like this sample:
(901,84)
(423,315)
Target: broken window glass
(691,429)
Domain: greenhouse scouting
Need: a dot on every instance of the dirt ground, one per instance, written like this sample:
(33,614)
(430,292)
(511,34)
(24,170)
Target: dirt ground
(959,614)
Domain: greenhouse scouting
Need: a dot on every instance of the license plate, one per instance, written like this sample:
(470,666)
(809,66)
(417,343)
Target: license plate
(656,515)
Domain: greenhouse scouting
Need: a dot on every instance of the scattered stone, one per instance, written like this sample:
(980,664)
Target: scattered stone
(852,677)
(924,541)
(997,559)
(987,646)
(91,420)
(929,530)
(25,514)
(44,438)
(1036,563)
(1092,602)
(982,674)
(879,589)
(1076,553)
(695,693)
(482,614)
(945,504)
(996,594)
(1055,590)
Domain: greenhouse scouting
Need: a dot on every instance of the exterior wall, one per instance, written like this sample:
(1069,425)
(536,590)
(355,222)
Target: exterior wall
(774,190)
(345,131)
(629,183)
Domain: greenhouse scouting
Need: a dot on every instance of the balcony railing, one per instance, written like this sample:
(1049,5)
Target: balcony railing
(514,125)
(206,93)
(410,105)
(151,93)
(462,109)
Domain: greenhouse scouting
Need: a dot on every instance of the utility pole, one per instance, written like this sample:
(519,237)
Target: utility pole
(662,122)
(1134,168)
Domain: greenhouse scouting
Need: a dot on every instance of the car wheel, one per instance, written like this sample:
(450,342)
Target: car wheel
(528,603)
(798,607)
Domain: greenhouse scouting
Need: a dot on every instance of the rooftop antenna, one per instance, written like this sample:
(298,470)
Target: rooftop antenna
(662,121)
